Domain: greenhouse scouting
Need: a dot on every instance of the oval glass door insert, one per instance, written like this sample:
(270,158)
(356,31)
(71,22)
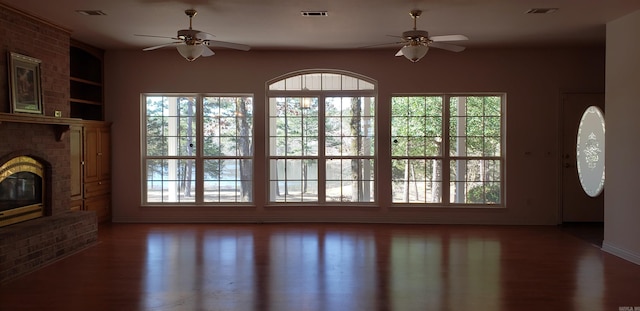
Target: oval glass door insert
(590,151)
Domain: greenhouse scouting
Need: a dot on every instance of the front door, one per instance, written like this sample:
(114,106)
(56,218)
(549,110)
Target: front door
(577,206)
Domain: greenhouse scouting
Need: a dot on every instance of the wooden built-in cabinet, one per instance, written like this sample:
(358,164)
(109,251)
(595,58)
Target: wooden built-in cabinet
(91,136)
(77,168)
(97,137)
(91,168)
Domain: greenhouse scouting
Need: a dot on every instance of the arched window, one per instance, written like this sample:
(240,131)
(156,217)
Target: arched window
(321,138)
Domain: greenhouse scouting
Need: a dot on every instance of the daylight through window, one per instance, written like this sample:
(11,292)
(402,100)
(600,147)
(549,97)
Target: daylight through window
(447,149)
(321,139)
(198,149)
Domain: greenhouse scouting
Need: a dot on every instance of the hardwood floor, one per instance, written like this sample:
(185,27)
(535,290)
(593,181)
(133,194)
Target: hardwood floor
(282,267)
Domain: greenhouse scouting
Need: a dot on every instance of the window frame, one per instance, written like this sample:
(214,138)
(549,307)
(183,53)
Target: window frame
(445,156)
(321,95)
(199,157)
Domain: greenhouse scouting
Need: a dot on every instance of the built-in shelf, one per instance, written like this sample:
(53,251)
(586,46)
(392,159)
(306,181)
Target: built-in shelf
(85,81)
(61,125)
(86,99)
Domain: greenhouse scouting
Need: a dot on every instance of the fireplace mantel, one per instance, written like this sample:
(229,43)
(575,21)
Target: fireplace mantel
(61,125)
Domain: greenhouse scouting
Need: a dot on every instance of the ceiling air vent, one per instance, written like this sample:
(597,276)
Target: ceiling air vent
(314,13)
(542,11)
(91,12)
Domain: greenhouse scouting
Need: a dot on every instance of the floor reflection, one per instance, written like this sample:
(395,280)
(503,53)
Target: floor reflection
(589,283)
(319,270)
(169,274)
(329,267)
(432,273)
(417,278)
(218,274)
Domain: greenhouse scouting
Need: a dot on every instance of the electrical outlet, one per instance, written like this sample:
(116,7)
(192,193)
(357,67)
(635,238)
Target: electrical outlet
(57,113)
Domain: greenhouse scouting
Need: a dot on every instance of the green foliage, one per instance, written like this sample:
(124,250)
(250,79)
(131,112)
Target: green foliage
(475,130)
(224,132)
(485,194)
(416,125)
(481,130)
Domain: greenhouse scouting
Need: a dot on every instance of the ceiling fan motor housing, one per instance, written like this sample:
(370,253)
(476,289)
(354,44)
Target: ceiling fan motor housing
(187,34)
(416,35)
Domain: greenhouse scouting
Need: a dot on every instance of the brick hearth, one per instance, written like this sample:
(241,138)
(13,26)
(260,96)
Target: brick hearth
(30,245)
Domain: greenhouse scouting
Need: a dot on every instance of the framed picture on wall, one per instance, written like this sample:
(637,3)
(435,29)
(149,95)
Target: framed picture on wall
(25,87)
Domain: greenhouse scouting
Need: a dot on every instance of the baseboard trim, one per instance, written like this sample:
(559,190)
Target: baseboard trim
(621,252)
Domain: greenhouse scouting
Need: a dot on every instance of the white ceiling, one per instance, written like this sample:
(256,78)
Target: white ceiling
(278,24)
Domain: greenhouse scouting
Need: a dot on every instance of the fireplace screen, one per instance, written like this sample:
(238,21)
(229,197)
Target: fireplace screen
(21,190)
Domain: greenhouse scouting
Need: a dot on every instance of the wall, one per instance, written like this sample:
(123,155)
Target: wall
(622,203)
(532,78)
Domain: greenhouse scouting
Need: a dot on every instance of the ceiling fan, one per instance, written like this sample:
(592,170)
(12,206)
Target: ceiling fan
(416,42)
(192,43)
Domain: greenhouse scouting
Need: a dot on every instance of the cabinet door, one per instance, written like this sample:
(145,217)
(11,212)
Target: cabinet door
(91,151)
(104,155)
(97,188)
(97,157)
(76,205)
(75,136)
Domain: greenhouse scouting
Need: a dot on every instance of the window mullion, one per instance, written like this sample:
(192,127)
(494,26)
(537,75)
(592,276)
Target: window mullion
(322,160)
(199,149)
(446,140)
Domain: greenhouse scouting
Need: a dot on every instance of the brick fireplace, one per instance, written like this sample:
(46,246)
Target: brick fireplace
(23,184)
(28,245)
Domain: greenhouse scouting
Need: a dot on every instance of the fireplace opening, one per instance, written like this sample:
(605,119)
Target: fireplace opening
(21,190)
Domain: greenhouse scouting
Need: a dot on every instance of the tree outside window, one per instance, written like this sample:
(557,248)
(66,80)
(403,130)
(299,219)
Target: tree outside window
(447,153)
(321,139)
(181,170)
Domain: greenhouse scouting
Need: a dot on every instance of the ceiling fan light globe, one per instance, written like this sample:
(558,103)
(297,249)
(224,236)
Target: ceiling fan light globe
(414,52)
(190,52)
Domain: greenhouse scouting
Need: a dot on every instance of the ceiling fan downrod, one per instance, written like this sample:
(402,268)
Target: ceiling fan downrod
(414,15)
(191,13)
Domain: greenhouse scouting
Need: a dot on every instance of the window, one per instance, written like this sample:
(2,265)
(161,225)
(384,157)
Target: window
(447,149)
(198,149)
(321,138)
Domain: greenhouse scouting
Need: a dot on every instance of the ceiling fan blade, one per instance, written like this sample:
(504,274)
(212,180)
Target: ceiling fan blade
(381,45)
(448,38)
(207,51)
(448,47)
(229,45)
(162,45)
(152,36)
(201,35)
